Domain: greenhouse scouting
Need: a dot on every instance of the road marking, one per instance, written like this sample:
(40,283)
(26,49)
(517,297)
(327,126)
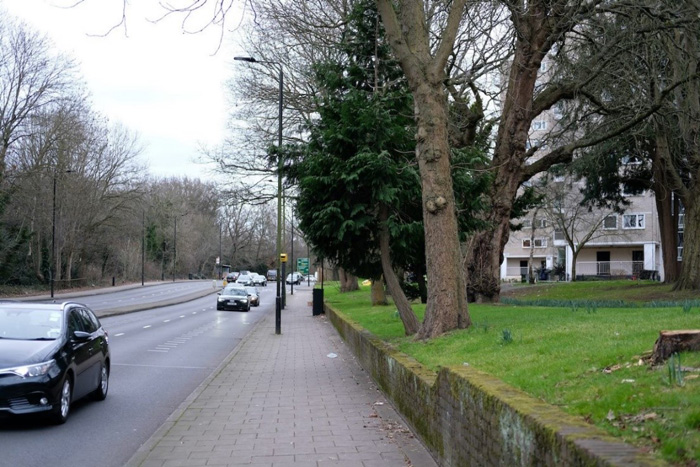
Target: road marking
(166,321)
(156,350)
(147,326)
(120,334)
(182,316)
(162,366)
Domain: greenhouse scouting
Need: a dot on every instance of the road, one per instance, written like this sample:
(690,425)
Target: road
(125,299)
(159,357)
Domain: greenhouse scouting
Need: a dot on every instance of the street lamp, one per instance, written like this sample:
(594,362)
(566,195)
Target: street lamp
(52,269)
(278,299)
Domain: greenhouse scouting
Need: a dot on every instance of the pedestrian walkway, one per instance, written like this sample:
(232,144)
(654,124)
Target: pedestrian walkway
(295,399)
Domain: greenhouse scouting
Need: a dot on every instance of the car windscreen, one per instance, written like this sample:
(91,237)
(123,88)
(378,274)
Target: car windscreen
(30,324)
(235,291)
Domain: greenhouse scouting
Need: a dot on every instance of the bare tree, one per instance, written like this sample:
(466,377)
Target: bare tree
(32,79)
(571,217)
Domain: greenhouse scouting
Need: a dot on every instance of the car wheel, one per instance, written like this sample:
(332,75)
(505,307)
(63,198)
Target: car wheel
(101,392)
(59,415)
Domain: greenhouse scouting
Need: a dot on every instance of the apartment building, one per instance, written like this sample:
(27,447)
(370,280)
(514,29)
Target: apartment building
(609,245)
(626,245)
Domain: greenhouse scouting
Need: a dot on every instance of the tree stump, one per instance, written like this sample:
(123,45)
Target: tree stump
(670,342)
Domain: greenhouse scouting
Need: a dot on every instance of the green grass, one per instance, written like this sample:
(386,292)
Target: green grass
(560,355)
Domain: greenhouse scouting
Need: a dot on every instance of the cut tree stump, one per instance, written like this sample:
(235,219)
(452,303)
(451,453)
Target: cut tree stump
(670,342)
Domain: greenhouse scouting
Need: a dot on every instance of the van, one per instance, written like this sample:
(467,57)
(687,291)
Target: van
(271,275)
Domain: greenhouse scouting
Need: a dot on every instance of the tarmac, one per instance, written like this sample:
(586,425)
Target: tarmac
(294,399)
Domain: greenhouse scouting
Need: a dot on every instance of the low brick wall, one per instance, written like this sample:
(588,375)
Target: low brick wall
(467,417)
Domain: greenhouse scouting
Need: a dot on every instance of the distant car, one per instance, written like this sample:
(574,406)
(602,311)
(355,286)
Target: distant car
(259,279)
(233,297)
(254,295)
(244,279)
(294,278)
(271,275)
(51,355)
(230,278)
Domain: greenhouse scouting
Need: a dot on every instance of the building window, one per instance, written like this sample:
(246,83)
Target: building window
(527,223)
(633,221)
(539,242)
(559,234)
(627,190)
(610,222)
(558,109)
(539,125)
(540,223)
(632,160)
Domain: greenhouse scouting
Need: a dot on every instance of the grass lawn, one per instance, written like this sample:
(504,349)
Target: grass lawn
(586,357)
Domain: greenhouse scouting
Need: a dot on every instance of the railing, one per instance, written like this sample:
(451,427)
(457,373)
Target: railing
(600,269)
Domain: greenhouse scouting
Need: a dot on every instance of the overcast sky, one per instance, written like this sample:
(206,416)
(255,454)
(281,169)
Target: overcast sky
(166,85)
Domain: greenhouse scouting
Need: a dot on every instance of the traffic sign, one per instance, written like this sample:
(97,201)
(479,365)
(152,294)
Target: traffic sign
(303,265)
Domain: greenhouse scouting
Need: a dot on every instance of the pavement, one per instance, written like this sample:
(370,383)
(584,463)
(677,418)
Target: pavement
(294,399)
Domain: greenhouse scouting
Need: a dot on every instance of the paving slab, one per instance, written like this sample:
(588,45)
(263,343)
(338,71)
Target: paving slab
(294,399)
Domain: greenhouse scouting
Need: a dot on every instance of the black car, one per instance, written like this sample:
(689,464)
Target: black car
(50,356)
(253,296)
(233,297)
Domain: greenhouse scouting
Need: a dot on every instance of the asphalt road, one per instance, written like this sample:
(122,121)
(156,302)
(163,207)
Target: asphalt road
(126,299)
(159,357)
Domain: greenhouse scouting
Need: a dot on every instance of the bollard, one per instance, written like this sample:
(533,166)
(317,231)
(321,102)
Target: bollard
(114,280)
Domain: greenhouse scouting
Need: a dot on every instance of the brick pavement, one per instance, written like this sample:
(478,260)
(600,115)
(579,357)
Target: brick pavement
(280,400)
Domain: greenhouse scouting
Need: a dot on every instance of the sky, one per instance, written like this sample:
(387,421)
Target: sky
(166,85)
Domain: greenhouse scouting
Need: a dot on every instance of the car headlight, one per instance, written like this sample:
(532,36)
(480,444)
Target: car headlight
(221,299)
(31,371)
(243,300)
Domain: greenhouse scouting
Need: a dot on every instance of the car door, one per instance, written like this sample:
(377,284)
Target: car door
(91,372)
(81,353)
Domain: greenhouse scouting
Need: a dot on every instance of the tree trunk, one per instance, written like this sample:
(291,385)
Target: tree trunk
(484,267)
(533,230)
(408,317)
(665,205)
(424,63)
(690,267)
(348,282)
(422,286)
(378,293)
(447,302)
(574,256)
(507,164)
(670,342)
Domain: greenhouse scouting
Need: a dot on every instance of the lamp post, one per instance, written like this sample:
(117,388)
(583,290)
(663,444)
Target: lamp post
(174,246)
(143,245)
(278,299)
(52,269)
(291,233)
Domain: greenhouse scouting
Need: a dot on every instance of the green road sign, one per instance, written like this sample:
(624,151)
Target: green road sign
(303,265)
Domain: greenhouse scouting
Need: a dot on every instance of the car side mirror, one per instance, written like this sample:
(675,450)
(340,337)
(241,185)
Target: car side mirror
(218,293)
(81,336)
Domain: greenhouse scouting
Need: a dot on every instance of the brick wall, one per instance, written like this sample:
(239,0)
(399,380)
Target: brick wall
(467,417)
